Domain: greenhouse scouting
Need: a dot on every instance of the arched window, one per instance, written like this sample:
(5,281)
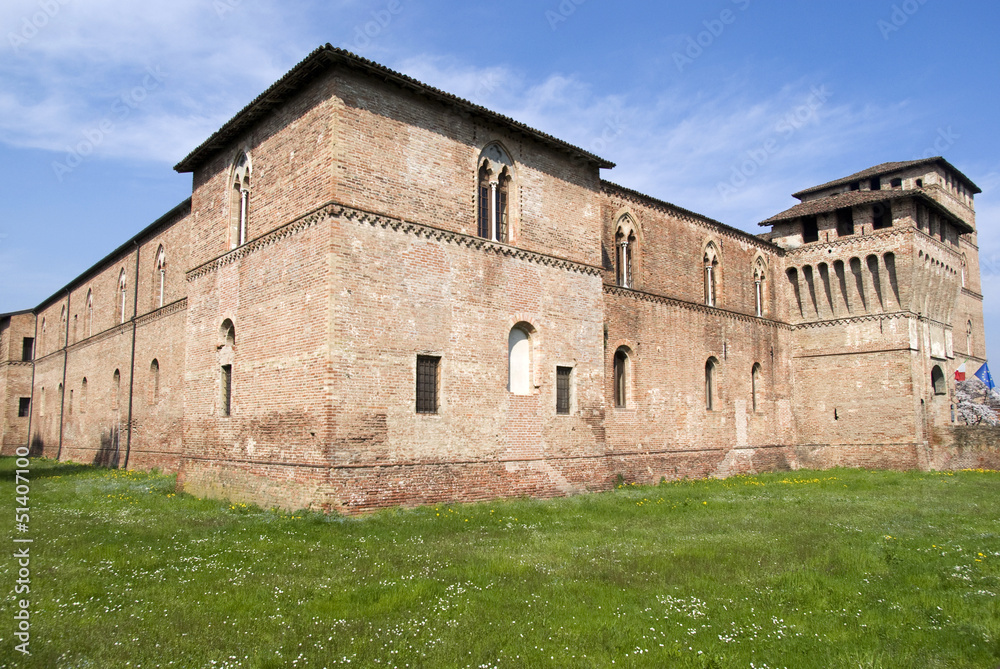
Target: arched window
(154,381)
(711,264)
(518,362)
(759,286)
(621,376)
(41,402)
(90,313)
(62,327)
(938,382)
(495,179)
(625,247)
(160,278)
(965,264)
(239,203)
(228,333)
(122,297)
(41,338)
(116,384)
(711,388)
(755,387)
(83,395)
(74,331)
(968,337)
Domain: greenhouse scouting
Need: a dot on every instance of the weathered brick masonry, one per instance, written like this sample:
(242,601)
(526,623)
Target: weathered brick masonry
(381,294)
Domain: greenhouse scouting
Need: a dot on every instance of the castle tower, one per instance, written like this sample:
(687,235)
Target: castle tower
(882,284)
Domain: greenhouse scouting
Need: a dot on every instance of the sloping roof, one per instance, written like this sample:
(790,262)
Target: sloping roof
(663,204)
(327,56)
(860,197)
(888,168)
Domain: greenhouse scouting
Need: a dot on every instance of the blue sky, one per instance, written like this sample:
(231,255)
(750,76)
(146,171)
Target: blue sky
(100,98)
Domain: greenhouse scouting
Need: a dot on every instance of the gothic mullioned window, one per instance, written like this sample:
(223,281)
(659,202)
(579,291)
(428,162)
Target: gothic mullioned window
(122,297)
(759,286)
(710,260)
(239,202)
(160,278)
(90,313)
(625,252)
(493,197)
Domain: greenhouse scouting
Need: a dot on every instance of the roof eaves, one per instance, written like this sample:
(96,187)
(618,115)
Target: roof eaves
(874,197)
(328,55)
(663,203)
(886,168)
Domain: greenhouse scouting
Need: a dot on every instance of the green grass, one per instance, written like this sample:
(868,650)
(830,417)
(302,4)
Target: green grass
(842,568)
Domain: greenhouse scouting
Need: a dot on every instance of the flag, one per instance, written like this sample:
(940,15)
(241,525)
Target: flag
(960,373)
(984,375)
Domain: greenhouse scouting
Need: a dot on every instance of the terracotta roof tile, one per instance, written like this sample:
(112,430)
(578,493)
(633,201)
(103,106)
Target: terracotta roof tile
(856,198)
(327,56)
(888,168)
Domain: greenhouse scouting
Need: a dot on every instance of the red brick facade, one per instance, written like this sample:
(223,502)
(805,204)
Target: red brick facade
(262,339)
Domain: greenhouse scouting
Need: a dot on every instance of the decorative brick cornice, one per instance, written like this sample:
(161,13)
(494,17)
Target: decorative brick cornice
(973,294)
(294,227)
(869,318)
(162,312)
(16,363)
(643,296)
(332,210)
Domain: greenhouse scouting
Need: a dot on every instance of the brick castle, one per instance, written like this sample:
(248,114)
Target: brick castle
(381,294)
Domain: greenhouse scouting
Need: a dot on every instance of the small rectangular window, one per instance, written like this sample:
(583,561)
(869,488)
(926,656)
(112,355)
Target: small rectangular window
(227,390)
(881,216)
(427,383)
(810,230)
(27,349)
(562,389)
(845,222)
(23,407)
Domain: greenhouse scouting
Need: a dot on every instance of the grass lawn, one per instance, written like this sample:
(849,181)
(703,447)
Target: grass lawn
(840,568)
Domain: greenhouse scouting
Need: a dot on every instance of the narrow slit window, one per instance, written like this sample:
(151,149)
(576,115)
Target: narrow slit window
(621,374)
(226,404)
(710,384)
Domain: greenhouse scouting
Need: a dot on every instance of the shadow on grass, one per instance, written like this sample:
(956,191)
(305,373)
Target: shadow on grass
(42,469)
